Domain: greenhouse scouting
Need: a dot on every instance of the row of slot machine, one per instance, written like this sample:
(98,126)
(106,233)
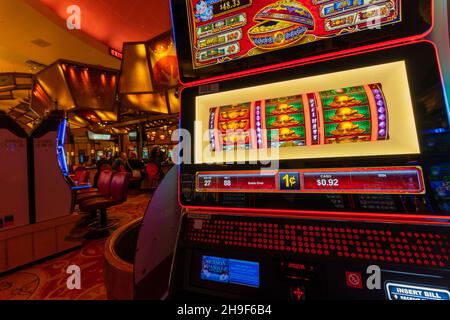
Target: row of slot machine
(318,163)
(34,172)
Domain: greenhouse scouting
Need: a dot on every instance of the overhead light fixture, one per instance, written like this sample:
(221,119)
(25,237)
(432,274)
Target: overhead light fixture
(35,66)
(41,43)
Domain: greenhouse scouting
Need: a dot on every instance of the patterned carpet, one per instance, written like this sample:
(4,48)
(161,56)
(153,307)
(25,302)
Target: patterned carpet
(47,280)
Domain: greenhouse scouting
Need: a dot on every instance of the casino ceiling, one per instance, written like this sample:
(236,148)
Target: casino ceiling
(34,33)
(113,22)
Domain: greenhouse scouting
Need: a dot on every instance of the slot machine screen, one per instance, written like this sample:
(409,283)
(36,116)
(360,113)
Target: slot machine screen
(132,136)
(145,153)
(99,154)
(81,156)
(363,112)
(230,271)
(223,32)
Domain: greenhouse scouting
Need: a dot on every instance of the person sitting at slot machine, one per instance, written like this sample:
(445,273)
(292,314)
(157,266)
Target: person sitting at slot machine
(156,158)
(136,167)
(134,162)
(119,164)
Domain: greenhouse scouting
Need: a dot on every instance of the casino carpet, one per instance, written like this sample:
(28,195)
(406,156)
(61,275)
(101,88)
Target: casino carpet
(47,280)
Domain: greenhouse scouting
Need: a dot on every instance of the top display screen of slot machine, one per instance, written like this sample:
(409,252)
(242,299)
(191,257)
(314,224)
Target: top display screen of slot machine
(233,29)
(266,32)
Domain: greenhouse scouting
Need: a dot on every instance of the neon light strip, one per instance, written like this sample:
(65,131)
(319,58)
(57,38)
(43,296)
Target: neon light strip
(373,113)
(263,124)
(441,36)
(308,123)
(320,115)
(253,140)
(218,138)
(87,186)
(60,151)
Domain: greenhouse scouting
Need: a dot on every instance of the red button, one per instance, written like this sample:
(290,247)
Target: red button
(297,294)
(354,279)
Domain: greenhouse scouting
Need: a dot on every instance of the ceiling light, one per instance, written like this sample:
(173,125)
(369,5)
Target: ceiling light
(41,43)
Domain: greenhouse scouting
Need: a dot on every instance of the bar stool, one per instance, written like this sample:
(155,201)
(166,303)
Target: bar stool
(103,188)
(118,195)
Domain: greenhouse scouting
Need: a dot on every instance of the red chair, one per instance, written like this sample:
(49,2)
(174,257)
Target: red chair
(105,167)
(103,190)
(152,175)
(118,195)
(81,176)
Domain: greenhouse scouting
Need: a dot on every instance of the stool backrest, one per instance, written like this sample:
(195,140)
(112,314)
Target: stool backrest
(81,175)
(119,186)
(104,182)
(105,167)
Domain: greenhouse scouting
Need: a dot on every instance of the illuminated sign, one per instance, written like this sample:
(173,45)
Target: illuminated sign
(115,53)
(101,137)
(132,136)
(399,291)
(225,30)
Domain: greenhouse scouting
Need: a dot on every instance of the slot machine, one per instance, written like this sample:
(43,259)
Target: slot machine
(54,190)
(62,156)
(14,197)
(318,159)
(35,197)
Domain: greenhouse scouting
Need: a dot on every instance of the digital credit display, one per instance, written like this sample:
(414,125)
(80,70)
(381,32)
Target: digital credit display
(230,271)
(388,180)
(226,30)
